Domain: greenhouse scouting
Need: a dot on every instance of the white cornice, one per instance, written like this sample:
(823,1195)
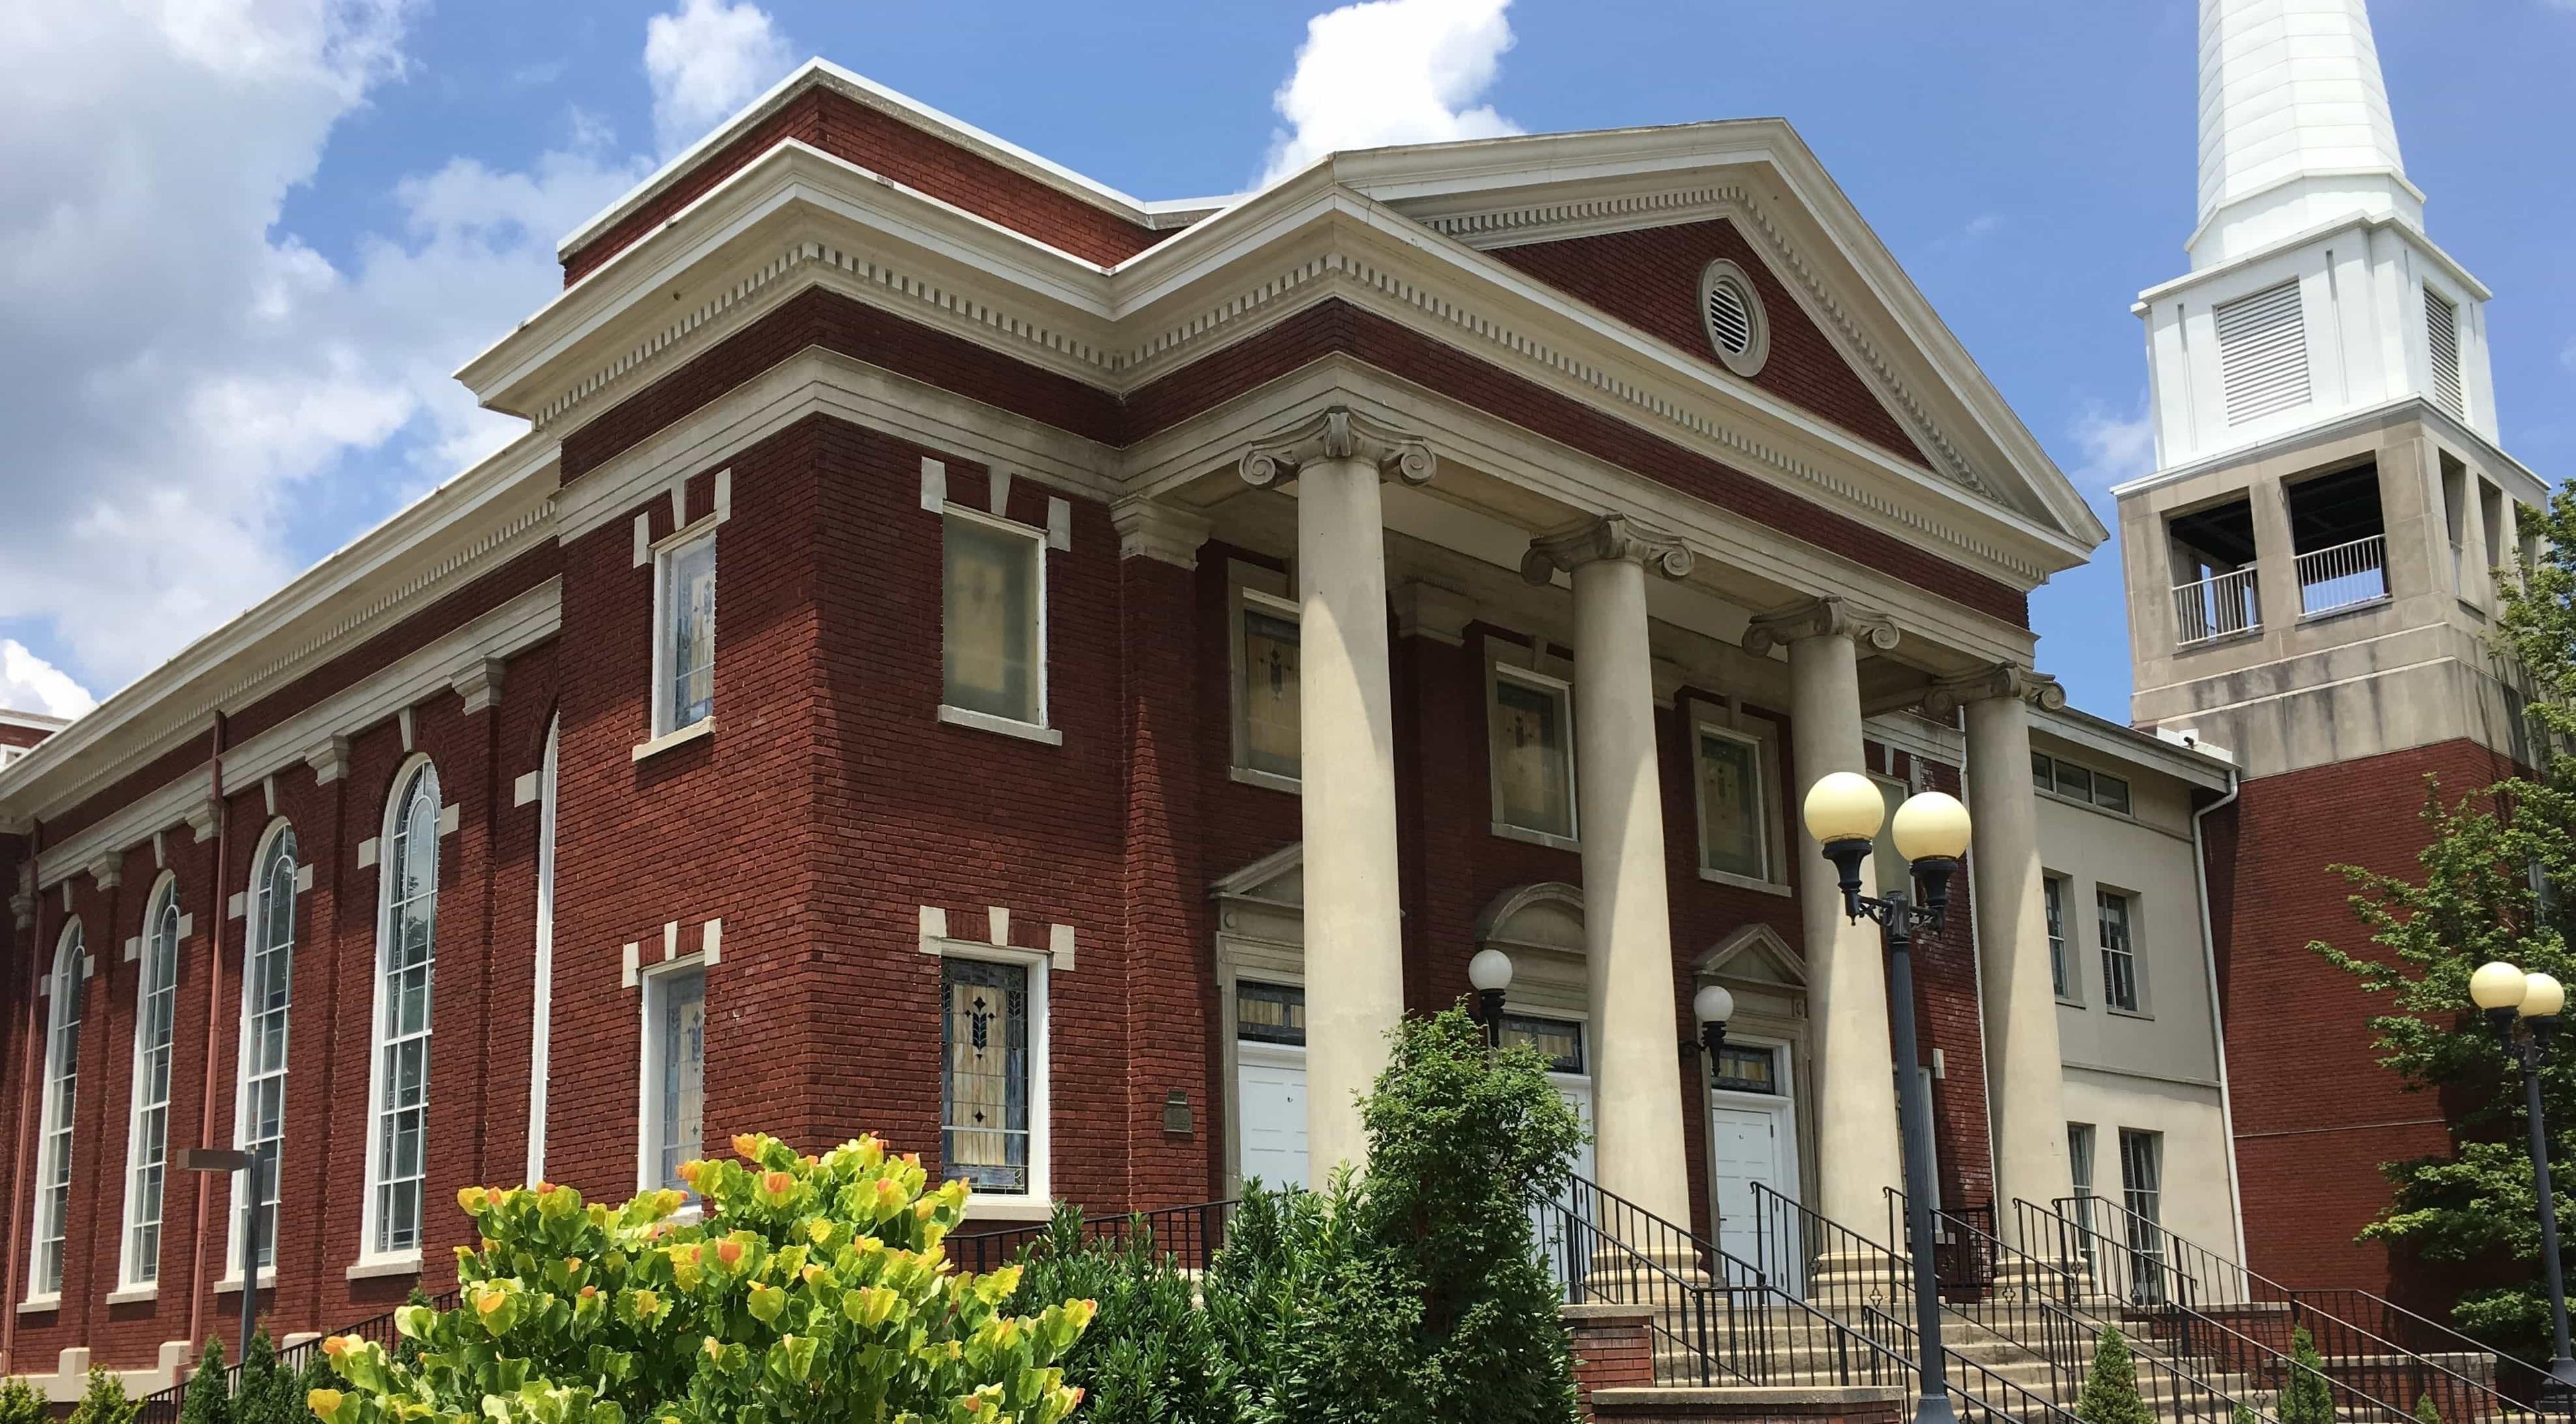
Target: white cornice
(2359,222)
(2529,489)
(32,721)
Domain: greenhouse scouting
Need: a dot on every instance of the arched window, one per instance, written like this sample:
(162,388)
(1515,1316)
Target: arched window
(406,951)
(268,989)
(541,1030)
(148,1139)
(54,1142)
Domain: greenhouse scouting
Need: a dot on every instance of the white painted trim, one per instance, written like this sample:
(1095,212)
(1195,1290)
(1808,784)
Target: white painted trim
(1007,726)
(541,995)
(703,727)
(134,1295)
(368,1268)
(369,1222)
(231,1283)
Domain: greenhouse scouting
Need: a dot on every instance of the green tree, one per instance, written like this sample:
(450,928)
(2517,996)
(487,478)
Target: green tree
(2306,1398)
(207,1400)
(1151,1355)
(2425,1412)
(105,1401)
(2110,1393)
(265,1393)
(812,1289)
(2492,882)
(19,1402)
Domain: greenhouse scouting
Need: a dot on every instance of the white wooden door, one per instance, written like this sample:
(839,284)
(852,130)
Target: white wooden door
(1270,1103)
(1747,1145)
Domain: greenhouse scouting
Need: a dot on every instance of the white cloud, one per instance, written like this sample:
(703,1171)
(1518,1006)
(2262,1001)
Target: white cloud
(707,59)
(2115,448)
(1389,72)
(30,684)
(190,390)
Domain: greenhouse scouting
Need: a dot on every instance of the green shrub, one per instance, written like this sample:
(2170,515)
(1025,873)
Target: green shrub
(2110,1394)
(2425,1410)
(2243,1413)
(814,1289)
(1322,1326)
(1151,1356)
(2305,1396)
(206,1400)
(19,1403)
(265,1393)
(105,1401)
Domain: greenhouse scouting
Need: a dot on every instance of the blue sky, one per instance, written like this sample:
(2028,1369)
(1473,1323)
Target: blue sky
(242,242)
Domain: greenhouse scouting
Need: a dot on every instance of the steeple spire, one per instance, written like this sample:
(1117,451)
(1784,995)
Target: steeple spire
(2295,130)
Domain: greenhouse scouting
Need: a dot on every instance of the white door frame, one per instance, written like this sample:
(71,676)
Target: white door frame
(1782,1105)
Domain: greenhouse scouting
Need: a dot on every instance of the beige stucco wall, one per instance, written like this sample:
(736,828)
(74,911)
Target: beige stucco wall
(2199,1203)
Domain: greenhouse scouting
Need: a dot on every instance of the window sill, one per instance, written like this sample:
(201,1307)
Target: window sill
(1270,779)
(2064,1002)
(39,1304)
(1510,832)
(1744,882)
(983,1207)
(134,1295)
(2344,610)
(2251,633)
(377,1267)
(1007,726)
(703,727)
(231,1285)
(2126,1013)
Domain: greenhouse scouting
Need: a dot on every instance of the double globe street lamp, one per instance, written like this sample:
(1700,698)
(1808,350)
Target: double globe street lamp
(2506,994)
(1844,810)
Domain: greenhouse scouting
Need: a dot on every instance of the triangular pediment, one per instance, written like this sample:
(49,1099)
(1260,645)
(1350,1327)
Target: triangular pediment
(1753,954)
(1278,878)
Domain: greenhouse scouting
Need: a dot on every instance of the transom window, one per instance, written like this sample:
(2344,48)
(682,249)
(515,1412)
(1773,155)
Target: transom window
(1265,698)
(268,983)
(2119,960)
(1747,1068)
(675,1070)
(2060,777)
(148,1138)
(2052,889)
(994,618)
(684,654)
(406,959)
(1559,1041)
(1533,753)
(985,1085)
(1269,1013)
(1734,806)
(54,1133)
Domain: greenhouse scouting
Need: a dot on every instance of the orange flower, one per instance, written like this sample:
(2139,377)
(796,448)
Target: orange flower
(811,1274)
(573,1265)
(777,1184)
(689,1171)
(729,1252)
(746,1146)
(588,1291)
(334,1346)
(486,1302)
(474,1199)
(647,1302)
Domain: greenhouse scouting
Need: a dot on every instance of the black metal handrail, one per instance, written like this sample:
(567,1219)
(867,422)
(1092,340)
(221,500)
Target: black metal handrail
(1190,1235)
(162,1406)
(1962,1267)
(2392,1356)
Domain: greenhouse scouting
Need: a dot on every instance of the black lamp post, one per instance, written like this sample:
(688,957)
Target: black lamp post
(2507,994)
(1843,813)
(1491,974)
(224,1159)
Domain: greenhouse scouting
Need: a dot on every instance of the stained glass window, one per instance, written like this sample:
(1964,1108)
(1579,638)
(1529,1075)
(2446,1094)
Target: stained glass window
(985,1087)
(689,633)
(1734,834)
(991,620)
(1269,691)
(680,1061)
(1269,1013)
(1743,1068)
(1558,1041)
(1533,757)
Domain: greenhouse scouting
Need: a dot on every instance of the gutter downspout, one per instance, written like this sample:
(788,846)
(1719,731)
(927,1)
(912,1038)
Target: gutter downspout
(2217,1018)
(214,1024)
(34,1100)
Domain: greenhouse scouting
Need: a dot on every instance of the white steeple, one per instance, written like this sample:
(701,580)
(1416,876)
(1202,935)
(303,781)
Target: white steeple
(2295,130)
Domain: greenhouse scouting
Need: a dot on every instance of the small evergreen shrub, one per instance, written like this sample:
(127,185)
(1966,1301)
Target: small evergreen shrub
(19,1403)
(105,1401)
(2110,1394)
(814,1290)
(2306,1398)
(2243,1413)
(1151,1356)
(265,1393)
(2425,1410)
(206,1400)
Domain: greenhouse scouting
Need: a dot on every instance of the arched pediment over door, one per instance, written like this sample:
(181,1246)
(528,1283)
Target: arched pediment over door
(1540,926)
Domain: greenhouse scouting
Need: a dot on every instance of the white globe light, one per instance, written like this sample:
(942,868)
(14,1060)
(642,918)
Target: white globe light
(1713,1004)
(1931,825)
(1844,806)
(2543,996)
(2498,985)
(1490,971)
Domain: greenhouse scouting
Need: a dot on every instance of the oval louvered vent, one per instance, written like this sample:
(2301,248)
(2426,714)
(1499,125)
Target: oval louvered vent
(1733,312)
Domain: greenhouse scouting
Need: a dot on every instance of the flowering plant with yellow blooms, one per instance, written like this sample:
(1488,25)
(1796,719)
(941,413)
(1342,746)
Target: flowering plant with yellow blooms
(807,1289)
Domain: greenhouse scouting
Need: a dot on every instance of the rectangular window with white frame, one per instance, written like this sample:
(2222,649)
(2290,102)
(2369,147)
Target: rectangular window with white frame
(994,622)
(993,1074)
(2116,914)
(675,1073)
(1266,740)
(2079,1171)
(1532,734)
(684,621)
(1739,833)
(2061,964)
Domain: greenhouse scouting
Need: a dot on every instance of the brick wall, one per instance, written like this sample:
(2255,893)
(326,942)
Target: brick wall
(883,144)
(2308,1155)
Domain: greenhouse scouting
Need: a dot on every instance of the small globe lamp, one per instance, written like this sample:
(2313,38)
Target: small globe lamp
(2506,996)
(1712,1006)
(1491,974)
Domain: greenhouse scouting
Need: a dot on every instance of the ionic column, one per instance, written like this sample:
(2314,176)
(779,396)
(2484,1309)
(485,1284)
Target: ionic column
(1857,1156)
(2025,1068)
(1619,811)
(1354,953)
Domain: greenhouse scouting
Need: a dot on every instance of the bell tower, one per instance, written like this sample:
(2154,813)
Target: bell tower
(2312,573)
